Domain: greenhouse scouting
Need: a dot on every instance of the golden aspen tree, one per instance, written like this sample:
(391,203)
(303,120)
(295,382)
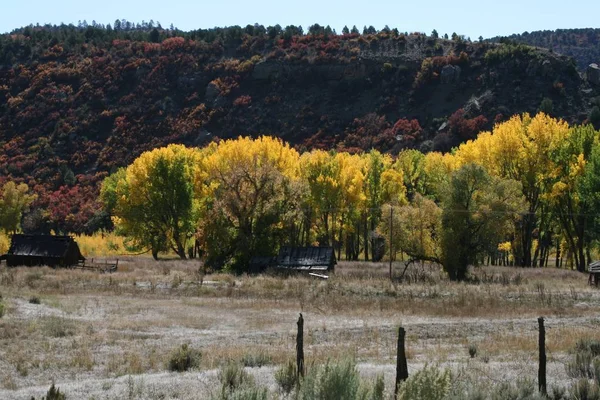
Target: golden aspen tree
(155,201)
(573,188)
(478,211)
(520,149)
(252,193)
(14,201)
(322,172)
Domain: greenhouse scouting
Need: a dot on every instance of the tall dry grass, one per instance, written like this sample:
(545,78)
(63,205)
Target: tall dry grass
(4,243)
(102,244)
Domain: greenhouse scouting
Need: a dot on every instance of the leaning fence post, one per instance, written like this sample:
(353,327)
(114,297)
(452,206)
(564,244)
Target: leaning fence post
(300,347)
(542,347)
(401,366)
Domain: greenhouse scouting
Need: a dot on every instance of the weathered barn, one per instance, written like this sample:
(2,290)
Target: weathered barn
(594,269)
(35,250)
(306,258)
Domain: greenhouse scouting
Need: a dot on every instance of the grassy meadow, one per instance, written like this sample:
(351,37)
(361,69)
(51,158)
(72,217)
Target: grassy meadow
(115,335)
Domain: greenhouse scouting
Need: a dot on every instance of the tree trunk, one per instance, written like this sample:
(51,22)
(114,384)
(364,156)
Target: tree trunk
(373,247)
(180,250)
(341,235)
(366,237)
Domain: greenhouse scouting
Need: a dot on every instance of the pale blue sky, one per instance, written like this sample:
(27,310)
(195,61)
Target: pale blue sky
(468,17)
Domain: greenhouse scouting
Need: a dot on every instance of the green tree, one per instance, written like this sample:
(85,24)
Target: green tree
(412,164)
(416,229)
(435,34)
(14,201)
(546,106)
(252,200)
(321,172)
(154,36)
(155,200)
(573,190)
(479,210)
(374,193)
(595,116)
(588,190)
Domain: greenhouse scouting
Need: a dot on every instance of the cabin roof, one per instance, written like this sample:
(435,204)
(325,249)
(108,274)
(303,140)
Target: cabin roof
(47,246)
(306,258)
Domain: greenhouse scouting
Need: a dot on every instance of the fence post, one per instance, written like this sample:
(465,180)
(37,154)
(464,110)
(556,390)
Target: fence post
(391,243)
(542,348)
(401,366)
(300,347)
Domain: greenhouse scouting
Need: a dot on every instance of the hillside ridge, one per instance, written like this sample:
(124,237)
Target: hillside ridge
(82,101)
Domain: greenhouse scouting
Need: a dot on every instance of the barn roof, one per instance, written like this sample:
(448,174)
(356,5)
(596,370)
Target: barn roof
(319,258)
(47,246)
(594,267)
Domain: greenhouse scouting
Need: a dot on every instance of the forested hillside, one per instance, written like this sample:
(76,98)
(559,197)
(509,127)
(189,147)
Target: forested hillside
(581,44)
(79,102)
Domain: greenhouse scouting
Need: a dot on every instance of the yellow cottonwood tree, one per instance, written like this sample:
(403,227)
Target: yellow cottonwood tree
(520,149)
(322,173)
(14,201)
(252,200)
(155,201)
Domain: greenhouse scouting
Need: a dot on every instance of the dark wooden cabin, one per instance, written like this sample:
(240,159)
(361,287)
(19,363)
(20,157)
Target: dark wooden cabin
(306,258)
(37,250)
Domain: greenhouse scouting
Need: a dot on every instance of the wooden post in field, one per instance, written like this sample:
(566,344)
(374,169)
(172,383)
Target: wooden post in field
(391,244)
(542,348)
(300,347)
(401,366)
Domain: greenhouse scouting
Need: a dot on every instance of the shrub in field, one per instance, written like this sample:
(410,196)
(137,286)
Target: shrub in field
(1,308)
(53,394)
(378,390)
(523,389)
(233,376)
(184,358)
(245,393)
(286,376)
(482,389)
(256,359)
(558,393)
(237,384)
(583,389)
(339,381)
(428,383)
(472,350)
(58,327)
(34,300)
(586,360)
(331,381)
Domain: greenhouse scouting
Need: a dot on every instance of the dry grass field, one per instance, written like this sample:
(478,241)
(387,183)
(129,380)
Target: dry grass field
(107,336)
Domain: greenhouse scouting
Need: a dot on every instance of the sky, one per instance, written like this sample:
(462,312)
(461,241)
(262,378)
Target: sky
(472,18)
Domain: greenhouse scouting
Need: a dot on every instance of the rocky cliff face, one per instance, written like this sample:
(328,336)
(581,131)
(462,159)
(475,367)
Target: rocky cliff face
(581,44)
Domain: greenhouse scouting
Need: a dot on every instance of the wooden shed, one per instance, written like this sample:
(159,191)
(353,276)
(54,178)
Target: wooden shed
(306,258)
(36,250)
(594,269)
